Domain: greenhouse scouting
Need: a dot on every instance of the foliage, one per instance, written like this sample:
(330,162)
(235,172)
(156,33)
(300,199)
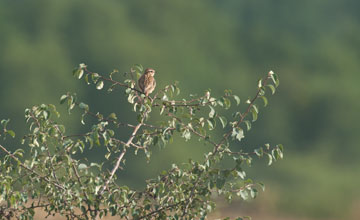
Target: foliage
(58,179)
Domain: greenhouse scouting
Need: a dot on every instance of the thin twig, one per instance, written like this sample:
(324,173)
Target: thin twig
(117,165)
(29,169)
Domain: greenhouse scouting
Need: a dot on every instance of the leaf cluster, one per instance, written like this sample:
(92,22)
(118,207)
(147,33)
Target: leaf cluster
(58,179)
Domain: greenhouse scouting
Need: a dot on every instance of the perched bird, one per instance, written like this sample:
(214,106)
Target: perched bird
(147,81)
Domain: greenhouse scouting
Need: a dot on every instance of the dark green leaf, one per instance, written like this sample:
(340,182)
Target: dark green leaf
(220,182)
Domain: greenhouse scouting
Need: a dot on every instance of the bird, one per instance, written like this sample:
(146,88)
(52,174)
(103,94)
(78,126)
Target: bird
(147,82)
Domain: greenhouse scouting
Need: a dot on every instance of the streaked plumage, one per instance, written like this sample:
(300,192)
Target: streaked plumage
(147,82)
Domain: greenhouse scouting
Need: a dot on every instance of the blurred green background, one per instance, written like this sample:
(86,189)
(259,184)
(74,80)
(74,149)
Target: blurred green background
(314,46)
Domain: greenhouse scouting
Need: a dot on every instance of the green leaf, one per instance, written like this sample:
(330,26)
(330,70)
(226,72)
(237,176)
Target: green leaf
(53,108)
(162,109)
(100,85)
(61,128)
(82,118)
(128,90)
(259,152)
(241,174)
(177,90)
(11,133)
(46,114)
(237,99)
(254,113)
(212,112)
(221,102)
(75,72)
(262,186)
(83,106)
(211,123)
(19,153)
(83,209)
(82,166)
(244,194)
(272,88)
(255,108)
(248,124)
(139,118)
(275,78)
(220,182)
(112,116)
(95,77)
(138,68)
(96,138)
(178,127)
(4,122)
(265,100)
(86,78)
(165,98)
(270,159)
(80,74)
(259,83)
(223,121)
(63,99)
(253,193)
(281,147)
(227,103)
(113,72)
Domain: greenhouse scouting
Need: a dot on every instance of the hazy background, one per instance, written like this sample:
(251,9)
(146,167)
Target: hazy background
(314,46)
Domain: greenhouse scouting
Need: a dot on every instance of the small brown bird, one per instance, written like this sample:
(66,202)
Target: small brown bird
(147,81)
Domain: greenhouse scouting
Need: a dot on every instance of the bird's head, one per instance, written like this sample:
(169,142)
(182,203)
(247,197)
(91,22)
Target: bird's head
(150,71)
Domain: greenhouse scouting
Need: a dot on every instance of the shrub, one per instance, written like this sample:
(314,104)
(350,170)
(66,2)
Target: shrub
(55,177)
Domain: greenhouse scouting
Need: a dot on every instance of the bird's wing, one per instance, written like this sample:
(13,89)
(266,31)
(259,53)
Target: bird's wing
(141,82)
(149,83)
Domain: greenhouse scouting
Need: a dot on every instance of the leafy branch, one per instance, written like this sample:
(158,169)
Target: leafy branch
(64,182)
